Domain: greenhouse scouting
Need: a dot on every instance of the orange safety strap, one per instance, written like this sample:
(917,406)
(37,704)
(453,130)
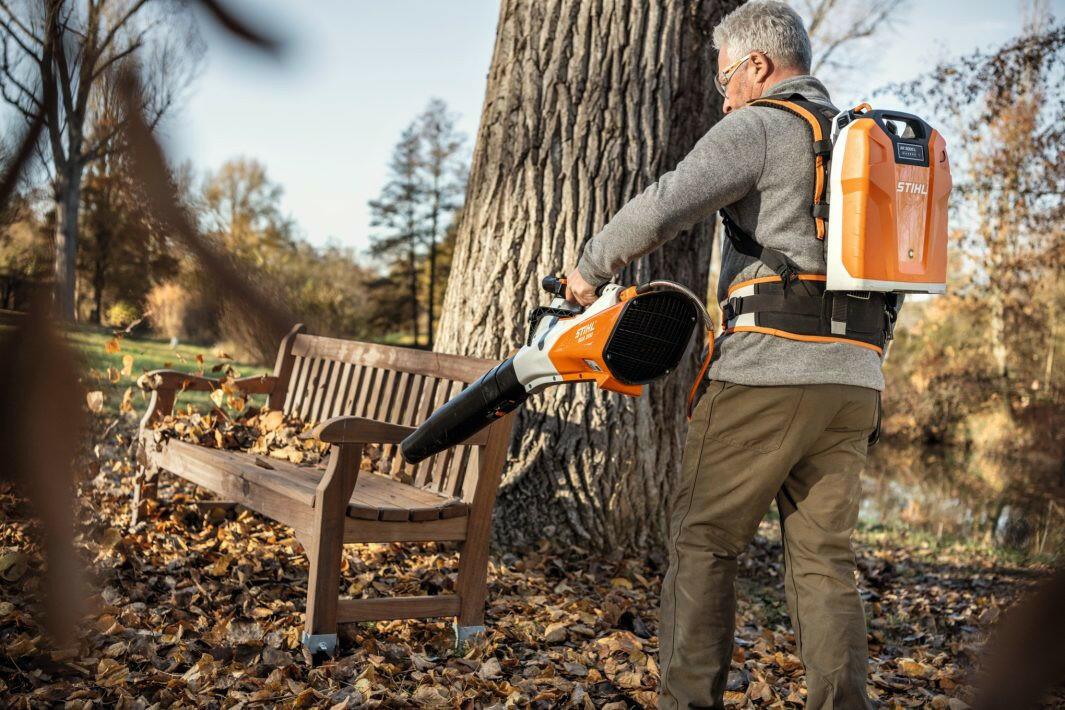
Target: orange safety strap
(702,371)
(804,338)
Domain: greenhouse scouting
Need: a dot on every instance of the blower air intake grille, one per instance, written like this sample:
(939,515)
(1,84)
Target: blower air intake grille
(650,336)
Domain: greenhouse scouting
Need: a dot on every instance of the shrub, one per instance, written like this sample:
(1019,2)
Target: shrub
(176,312)
(121,314)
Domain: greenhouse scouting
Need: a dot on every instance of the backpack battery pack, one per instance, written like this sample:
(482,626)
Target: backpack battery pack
(889,185)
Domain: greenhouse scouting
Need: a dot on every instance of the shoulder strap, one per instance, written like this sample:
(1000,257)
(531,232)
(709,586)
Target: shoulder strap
(819,118)
(745,244)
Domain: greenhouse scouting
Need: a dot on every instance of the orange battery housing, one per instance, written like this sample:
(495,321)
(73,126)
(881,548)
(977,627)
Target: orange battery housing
(889,189)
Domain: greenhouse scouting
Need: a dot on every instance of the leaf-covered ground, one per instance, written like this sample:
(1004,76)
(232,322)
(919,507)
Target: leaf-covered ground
(203,606)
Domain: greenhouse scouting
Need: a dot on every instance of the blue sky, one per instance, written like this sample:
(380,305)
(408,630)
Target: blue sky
(324,120)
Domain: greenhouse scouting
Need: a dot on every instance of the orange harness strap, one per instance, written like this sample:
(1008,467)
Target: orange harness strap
(702,371)
(820,126)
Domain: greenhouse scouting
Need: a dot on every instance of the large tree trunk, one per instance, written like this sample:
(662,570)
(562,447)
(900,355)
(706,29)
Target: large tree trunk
(68,201)
(587,103)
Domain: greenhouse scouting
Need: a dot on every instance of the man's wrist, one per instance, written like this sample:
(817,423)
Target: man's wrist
(591,275)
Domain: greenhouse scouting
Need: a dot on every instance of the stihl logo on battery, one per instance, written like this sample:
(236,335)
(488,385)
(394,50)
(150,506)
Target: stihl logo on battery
(913,188)
(584,332)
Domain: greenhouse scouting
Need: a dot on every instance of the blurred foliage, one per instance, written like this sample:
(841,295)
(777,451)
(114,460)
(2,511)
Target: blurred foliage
(978,368)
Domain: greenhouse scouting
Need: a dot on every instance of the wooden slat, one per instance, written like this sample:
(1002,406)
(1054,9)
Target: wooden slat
(326,392)
(452,367)
(432,390)
(344,382)
(371,379)
(392,411)
(351,610)
(379,393)
(381,531)
(457,476)
(307,400)
(434,472)
(249,493)
(445,459)
(279,478)
(407,417)
(358,375)
(298,382)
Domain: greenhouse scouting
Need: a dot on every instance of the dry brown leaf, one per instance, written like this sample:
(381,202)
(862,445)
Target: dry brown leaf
(95,401)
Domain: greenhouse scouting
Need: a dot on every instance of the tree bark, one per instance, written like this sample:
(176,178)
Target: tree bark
(587,103)
(68,202)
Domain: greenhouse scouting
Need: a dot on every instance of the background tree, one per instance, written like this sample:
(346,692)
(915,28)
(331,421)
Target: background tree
(399,212)
(242,209)
(445,183)
(91,41)
(123,254)
(23,252)
(583,110)
(842,31)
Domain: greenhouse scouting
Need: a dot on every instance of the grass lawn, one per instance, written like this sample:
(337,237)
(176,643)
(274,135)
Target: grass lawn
(103,366)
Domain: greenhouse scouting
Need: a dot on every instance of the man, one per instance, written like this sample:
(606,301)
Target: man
(782,418)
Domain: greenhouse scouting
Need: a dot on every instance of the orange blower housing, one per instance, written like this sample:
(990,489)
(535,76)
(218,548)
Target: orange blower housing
(624,340)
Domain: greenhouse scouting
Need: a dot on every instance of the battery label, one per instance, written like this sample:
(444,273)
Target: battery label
(909,151)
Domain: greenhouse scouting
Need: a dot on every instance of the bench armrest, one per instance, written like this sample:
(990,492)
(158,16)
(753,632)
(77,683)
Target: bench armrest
(358,430)
(174,380)
(188,382)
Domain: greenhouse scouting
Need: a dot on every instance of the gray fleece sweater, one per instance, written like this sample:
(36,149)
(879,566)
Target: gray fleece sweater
(757,162)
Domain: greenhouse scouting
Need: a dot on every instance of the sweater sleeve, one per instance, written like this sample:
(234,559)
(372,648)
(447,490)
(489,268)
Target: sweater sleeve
(724,165)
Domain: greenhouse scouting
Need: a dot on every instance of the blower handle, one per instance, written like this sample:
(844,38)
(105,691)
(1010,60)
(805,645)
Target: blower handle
(554,285)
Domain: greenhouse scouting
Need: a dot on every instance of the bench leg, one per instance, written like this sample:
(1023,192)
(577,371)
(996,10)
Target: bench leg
(145,488)
(472,587)
(325,548)
(323,592)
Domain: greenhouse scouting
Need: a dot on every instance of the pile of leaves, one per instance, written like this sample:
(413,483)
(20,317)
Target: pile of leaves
(259,431)
(203,606)
(265,432)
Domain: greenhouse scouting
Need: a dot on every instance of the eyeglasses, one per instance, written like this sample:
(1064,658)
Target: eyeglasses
(721,80)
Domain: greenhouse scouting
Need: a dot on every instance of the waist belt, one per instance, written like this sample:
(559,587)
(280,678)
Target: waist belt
(798,307)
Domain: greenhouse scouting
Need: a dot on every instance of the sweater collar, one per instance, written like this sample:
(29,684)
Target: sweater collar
(809,86)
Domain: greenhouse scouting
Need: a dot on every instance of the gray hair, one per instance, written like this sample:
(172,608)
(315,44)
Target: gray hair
(767,26)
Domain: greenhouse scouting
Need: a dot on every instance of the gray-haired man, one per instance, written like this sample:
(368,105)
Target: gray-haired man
(782,417)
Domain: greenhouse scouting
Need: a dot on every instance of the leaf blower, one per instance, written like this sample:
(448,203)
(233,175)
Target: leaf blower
(624,340)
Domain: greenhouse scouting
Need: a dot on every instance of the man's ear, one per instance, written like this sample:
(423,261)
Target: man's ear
(761,67)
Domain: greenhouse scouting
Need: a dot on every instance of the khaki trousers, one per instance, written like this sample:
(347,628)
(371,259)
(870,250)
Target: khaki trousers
(804,446)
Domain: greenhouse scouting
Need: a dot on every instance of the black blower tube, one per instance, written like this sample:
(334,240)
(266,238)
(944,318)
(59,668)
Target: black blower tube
(496,393)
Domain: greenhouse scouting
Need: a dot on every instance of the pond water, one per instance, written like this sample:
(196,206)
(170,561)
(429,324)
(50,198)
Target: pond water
(952,494)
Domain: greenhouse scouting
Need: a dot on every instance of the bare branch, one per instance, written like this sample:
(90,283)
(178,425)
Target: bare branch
(119,24)
(113,59)
(18,23)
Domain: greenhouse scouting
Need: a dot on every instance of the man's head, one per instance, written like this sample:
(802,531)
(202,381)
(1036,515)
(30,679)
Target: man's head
(759,44)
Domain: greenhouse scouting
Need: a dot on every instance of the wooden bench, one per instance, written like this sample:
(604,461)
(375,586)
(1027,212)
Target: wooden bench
(361,394)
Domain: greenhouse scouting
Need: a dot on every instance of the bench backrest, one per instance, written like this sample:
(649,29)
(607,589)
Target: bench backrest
(324,377)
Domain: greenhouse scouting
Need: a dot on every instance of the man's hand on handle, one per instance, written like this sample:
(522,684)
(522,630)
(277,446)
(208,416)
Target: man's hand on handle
(578,290)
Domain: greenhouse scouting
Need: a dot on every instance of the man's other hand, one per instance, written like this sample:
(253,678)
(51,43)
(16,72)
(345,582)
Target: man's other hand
(578,290)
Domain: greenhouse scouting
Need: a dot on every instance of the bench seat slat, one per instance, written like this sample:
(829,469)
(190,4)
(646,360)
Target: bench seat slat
(375,497)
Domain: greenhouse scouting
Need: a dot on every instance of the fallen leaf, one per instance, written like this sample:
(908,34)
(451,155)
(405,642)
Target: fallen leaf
(95,401)
(12,566)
